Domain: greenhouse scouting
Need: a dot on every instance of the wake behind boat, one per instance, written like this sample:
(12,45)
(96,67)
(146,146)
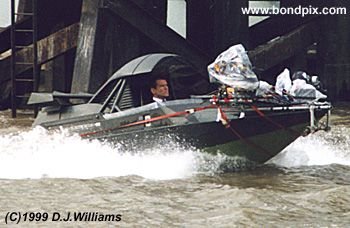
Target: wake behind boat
(240,118)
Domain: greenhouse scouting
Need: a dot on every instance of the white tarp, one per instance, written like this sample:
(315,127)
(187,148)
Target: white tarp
(283,82)
(301,88)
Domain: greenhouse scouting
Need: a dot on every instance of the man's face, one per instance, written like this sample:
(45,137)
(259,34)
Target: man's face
(161,90)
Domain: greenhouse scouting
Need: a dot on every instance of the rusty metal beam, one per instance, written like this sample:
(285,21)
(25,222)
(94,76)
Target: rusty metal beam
(48,48)
(284,47)
(274,26)
(160,34)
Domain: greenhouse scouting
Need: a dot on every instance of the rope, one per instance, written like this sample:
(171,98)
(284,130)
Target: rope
(226,122)
(248,142)
(262,115)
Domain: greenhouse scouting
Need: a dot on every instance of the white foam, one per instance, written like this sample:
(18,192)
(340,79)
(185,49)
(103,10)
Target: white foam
(37,153)
(321,148)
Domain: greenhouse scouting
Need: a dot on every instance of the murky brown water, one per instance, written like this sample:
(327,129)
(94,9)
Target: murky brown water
(307,185)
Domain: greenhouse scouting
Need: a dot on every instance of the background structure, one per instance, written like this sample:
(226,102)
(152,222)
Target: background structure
(82,42)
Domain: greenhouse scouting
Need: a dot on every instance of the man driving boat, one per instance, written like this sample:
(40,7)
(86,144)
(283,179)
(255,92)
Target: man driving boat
(160,89)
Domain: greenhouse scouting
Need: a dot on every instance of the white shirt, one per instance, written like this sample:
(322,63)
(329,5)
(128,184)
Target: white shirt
(158,100)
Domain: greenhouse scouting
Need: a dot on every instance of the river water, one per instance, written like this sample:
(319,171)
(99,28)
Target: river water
(52,177)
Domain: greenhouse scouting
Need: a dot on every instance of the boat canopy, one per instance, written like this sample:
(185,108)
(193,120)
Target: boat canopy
(141,65)
(129,86)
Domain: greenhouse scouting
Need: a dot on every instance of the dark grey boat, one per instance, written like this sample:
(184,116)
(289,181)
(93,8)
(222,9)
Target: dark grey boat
(122,111)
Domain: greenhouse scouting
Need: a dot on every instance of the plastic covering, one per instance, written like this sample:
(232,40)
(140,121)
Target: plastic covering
(283,82)
(263,89)
(233,68)
(304,85)
(301,88)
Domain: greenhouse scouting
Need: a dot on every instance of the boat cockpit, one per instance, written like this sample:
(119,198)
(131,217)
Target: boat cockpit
(129,87)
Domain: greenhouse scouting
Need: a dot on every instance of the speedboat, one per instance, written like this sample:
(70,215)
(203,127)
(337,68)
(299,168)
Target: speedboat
(198,113)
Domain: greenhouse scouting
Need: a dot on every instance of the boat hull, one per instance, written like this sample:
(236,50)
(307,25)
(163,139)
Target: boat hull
(255,138)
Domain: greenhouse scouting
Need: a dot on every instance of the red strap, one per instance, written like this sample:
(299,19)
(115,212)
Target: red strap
(248,142)
(260,113)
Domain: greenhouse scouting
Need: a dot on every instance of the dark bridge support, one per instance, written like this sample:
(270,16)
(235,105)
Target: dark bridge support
(334,53)
(332,59)
(214,26)
(87,47)
(269,55)
(161,35)
(115,31)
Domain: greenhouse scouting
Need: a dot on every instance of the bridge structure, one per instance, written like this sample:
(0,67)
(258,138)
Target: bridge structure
(80,43)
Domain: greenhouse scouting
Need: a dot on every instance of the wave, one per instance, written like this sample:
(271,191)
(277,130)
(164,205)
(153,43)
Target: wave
(38,153)
(321,148)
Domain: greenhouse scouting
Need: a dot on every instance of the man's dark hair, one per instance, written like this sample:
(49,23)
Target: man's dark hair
(154,80)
